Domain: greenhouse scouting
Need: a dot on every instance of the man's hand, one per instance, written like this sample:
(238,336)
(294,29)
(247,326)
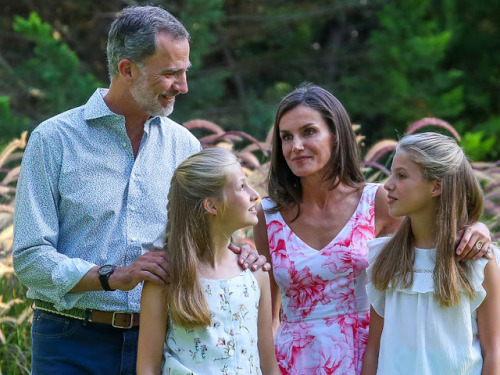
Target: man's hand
(249,257)
(151,266)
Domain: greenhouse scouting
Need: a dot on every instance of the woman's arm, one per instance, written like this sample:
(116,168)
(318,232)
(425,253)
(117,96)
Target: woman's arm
(487,320)
(152,329)
(267,355)
(475,240)
(370,360)
(262,244)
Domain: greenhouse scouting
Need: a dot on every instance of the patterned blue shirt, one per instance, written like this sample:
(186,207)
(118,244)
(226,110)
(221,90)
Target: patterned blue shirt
(83,200)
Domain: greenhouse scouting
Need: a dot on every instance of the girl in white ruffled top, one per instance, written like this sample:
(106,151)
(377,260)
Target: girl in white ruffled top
(430,313)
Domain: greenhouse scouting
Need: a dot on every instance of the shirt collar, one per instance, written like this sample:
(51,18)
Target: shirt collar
(96,106)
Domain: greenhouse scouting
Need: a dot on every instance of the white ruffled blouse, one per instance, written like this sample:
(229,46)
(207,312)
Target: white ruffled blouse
(419,336)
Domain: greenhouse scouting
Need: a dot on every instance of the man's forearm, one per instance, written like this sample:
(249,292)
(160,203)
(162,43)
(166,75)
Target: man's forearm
(89,282)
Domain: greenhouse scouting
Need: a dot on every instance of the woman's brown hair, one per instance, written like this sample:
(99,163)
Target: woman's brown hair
(284,187)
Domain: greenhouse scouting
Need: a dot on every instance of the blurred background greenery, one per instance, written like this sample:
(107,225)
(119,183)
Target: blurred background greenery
(389,62)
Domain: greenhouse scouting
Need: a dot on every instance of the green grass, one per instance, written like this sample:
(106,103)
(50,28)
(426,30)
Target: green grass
(15,326)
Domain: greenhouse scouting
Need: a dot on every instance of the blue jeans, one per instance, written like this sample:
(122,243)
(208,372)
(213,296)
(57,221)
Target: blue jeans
(64,345)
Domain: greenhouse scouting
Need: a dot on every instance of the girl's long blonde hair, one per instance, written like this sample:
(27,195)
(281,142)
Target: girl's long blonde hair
(187,236)
(459,205)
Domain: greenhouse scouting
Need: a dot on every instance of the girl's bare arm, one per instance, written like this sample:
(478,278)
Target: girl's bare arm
(268,363)
(152,329)
(370,360)
(487,320)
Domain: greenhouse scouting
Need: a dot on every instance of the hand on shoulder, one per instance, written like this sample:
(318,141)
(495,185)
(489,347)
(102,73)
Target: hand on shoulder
(250,258)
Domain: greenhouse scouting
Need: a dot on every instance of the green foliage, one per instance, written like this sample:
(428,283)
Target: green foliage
(387,62)
(259,44)
(407,78)
(474,49)
(201,18)
(52,73)
(10,126)
(478,146)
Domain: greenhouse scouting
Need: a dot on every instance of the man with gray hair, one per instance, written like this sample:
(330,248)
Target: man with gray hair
(91,201)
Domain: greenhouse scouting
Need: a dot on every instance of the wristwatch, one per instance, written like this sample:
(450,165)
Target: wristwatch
(104,273)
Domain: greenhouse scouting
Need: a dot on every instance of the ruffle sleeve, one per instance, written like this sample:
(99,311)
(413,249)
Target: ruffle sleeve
(423,281)
(376,297)
(477,278)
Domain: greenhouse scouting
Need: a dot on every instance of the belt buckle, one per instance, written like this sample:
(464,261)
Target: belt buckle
(131,324)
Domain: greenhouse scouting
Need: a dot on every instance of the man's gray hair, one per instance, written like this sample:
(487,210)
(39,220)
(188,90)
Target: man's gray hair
(133,34)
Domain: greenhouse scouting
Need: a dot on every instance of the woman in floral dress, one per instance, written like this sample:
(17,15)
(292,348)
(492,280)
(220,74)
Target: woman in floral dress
(314,228)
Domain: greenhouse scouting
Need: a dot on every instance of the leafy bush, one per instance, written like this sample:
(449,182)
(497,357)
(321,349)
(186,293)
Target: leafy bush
(10,126)
(54,70)
(51,79)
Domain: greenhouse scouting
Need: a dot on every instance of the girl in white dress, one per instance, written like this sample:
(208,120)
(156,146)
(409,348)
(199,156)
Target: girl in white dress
(213,317)
(430,313)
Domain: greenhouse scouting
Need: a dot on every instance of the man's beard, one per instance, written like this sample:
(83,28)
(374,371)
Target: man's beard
(148,100)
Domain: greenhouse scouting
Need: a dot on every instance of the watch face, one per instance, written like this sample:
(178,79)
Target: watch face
(104,270)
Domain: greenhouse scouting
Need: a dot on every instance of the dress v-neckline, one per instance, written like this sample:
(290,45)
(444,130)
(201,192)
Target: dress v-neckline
(337,235)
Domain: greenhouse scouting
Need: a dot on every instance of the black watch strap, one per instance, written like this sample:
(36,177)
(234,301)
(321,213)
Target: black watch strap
(104,273)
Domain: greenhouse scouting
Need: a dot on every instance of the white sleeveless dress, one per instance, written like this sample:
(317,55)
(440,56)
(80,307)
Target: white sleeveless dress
(229,345)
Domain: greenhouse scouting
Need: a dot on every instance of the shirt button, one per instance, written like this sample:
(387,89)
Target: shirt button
(231,352)
(134,239)
(124,144)
(132,208)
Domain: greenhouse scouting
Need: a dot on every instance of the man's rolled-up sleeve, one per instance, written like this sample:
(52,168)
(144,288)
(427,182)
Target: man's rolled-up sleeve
(38,263)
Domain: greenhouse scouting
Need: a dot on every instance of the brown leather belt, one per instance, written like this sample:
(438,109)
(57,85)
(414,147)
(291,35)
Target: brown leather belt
(117,319)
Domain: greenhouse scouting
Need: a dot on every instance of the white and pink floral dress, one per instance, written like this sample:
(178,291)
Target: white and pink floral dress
(325,309)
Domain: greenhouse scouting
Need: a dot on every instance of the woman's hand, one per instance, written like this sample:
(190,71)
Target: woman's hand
(473,241)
